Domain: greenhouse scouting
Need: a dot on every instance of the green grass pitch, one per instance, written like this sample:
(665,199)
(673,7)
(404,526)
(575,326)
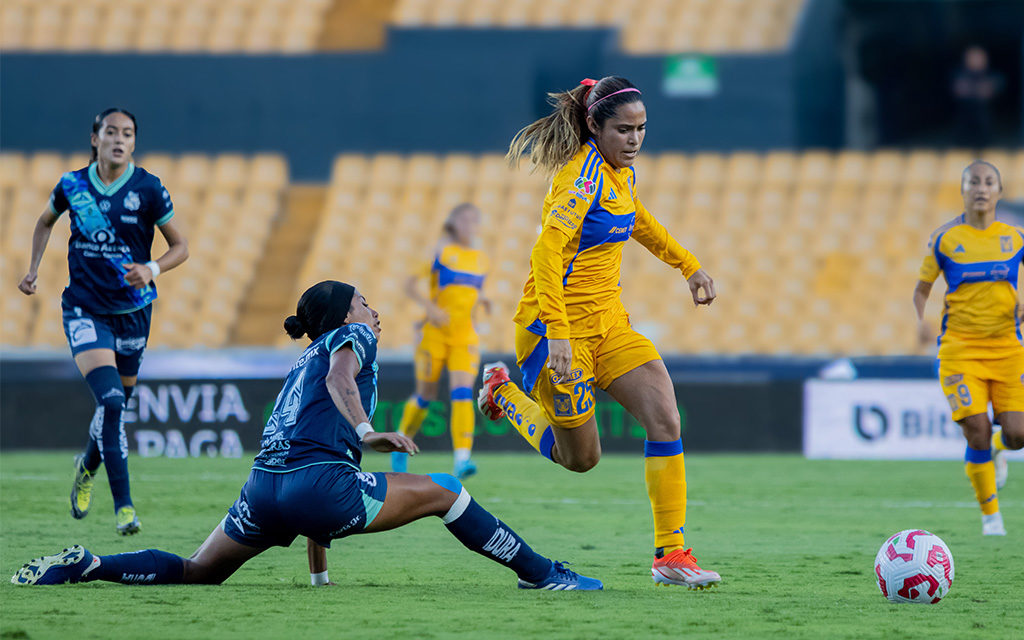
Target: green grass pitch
(794,541)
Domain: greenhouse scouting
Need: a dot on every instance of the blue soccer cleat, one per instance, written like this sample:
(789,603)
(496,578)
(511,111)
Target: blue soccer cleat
(399,462)
(464,469)
(67,566)
(562,578)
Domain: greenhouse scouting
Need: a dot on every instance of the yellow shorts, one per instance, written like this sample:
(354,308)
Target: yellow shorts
(595,359)
(970,385)
(435,353)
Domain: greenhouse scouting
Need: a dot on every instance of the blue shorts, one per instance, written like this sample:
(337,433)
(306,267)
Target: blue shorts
(123,333)
(322,502)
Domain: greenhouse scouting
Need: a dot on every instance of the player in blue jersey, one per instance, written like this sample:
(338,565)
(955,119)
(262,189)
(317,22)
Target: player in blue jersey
(114,208)
(306,479)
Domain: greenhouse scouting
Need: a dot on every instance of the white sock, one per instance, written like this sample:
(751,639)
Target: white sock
(461,455)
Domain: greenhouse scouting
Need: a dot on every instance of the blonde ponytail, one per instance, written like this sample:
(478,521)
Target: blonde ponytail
(553,140)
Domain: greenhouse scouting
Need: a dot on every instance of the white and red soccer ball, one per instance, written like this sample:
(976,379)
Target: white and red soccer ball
(914,566)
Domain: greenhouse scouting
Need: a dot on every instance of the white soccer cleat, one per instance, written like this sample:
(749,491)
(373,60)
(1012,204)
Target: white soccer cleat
(680,568)
(993,525)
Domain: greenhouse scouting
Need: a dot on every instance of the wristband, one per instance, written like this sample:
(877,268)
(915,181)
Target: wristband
(154,267)
(362,429)
(318,579)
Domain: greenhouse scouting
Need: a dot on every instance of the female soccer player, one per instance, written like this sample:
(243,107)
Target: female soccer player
(107,305)
(306,478)
(571,328)
(449,338)
(981,352)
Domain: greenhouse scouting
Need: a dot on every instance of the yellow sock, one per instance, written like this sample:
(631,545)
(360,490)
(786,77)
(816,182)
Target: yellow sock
(982,474)
(463,418)
(665,474)
(997,441)
(527,417)
(415,411)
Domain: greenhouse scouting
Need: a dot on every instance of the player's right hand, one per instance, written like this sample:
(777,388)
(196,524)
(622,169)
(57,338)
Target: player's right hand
(389,441)
(437,316)
(28,283)
(698,281)
(560,357)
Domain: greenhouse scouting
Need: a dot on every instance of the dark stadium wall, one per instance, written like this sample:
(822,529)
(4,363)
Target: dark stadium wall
(429,90)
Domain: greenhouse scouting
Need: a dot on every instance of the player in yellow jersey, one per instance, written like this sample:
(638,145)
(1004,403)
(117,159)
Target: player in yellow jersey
(449,339)
(572,331)
(981,352)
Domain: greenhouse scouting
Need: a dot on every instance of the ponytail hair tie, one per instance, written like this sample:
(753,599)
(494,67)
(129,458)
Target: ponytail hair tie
(589,83)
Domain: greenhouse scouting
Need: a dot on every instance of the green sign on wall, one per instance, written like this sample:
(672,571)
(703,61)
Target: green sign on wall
(690,76)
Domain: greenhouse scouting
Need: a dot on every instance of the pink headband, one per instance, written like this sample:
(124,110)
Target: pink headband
(626,90)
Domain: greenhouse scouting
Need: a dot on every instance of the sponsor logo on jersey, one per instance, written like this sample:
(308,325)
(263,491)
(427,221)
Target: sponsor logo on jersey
(611,194)
(131,201)
(125,346)
(959,249)
(953,379)
(574,375)
(571,204)
(1006,244)
(130,219)
(563,404)
(104,205)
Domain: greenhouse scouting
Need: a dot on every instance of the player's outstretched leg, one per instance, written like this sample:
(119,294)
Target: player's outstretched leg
(410,497)
(500,397)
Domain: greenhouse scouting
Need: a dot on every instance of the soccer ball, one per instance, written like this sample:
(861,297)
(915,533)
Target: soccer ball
(914,566)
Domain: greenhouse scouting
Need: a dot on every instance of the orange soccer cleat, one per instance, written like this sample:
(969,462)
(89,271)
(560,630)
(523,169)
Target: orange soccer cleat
(680,568)
(495,375)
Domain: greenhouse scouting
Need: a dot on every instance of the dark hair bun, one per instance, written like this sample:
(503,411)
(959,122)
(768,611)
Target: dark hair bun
(294,327)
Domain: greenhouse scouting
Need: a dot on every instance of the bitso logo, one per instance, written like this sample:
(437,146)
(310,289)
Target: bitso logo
(131,201)
(585,187)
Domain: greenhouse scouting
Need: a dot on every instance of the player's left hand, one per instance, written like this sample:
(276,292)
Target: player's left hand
(138,275)
(701,280)
(389,441)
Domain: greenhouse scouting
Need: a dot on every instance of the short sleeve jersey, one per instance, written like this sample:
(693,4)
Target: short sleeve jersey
(305,427)
(456,278)
(981,267)
(111,225)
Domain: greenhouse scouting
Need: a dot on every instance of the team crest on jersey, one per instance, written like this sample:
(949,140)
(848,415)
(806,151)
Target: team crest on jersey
(131,201)
(953,379)
(104,205)
(585,187)
(1006,244)
(563,404)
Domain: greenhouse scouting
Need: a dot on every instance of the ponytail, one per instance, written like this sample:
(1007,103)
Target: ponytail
(553,140)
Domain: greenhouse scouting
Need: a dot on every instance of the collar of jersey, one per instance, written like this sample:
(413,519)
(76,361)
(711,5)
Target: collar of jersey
(113,187)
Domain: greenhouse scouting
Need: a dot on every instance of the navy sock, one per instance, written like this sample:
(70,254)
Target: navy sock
(105,383)
(93,458)
(140,567)
(480,531)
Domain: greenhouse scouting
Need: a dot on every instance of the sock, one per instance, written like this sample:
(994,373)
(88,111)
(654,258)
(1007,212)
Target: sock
(415,411)
(139,567)
(93,457)
(527,417)
(998,443)
(113,443)
(665,475)
(982,474)
(461,455)
(463,419)
(483,533)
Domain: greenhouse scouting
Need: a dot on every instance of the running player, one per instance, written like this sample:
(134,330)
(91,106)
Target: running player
(572,331)
(107,306)
(981,352)
(449,339)
(306,478)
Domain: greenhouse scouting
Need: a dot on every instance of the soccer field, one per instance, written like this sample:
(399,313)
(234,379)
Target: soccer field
(794,541)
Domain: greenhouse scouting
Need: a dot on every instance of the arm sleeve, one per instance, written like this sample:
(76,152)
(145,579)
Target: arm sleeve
(58,202)
(656,239)
(162,208)
(359,337)
(546,260)
(930,268)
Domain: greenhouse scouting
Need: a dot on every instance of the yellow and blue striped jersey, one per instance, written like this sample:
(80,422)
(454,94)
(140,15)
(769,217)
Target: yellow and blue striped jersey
(456,277)
(981,267)
(589,213)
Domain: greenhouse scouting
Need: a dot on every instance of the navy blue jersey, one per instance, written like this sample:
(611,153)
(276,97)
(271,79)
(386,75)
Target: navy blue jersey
(306,427)
(111,225)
